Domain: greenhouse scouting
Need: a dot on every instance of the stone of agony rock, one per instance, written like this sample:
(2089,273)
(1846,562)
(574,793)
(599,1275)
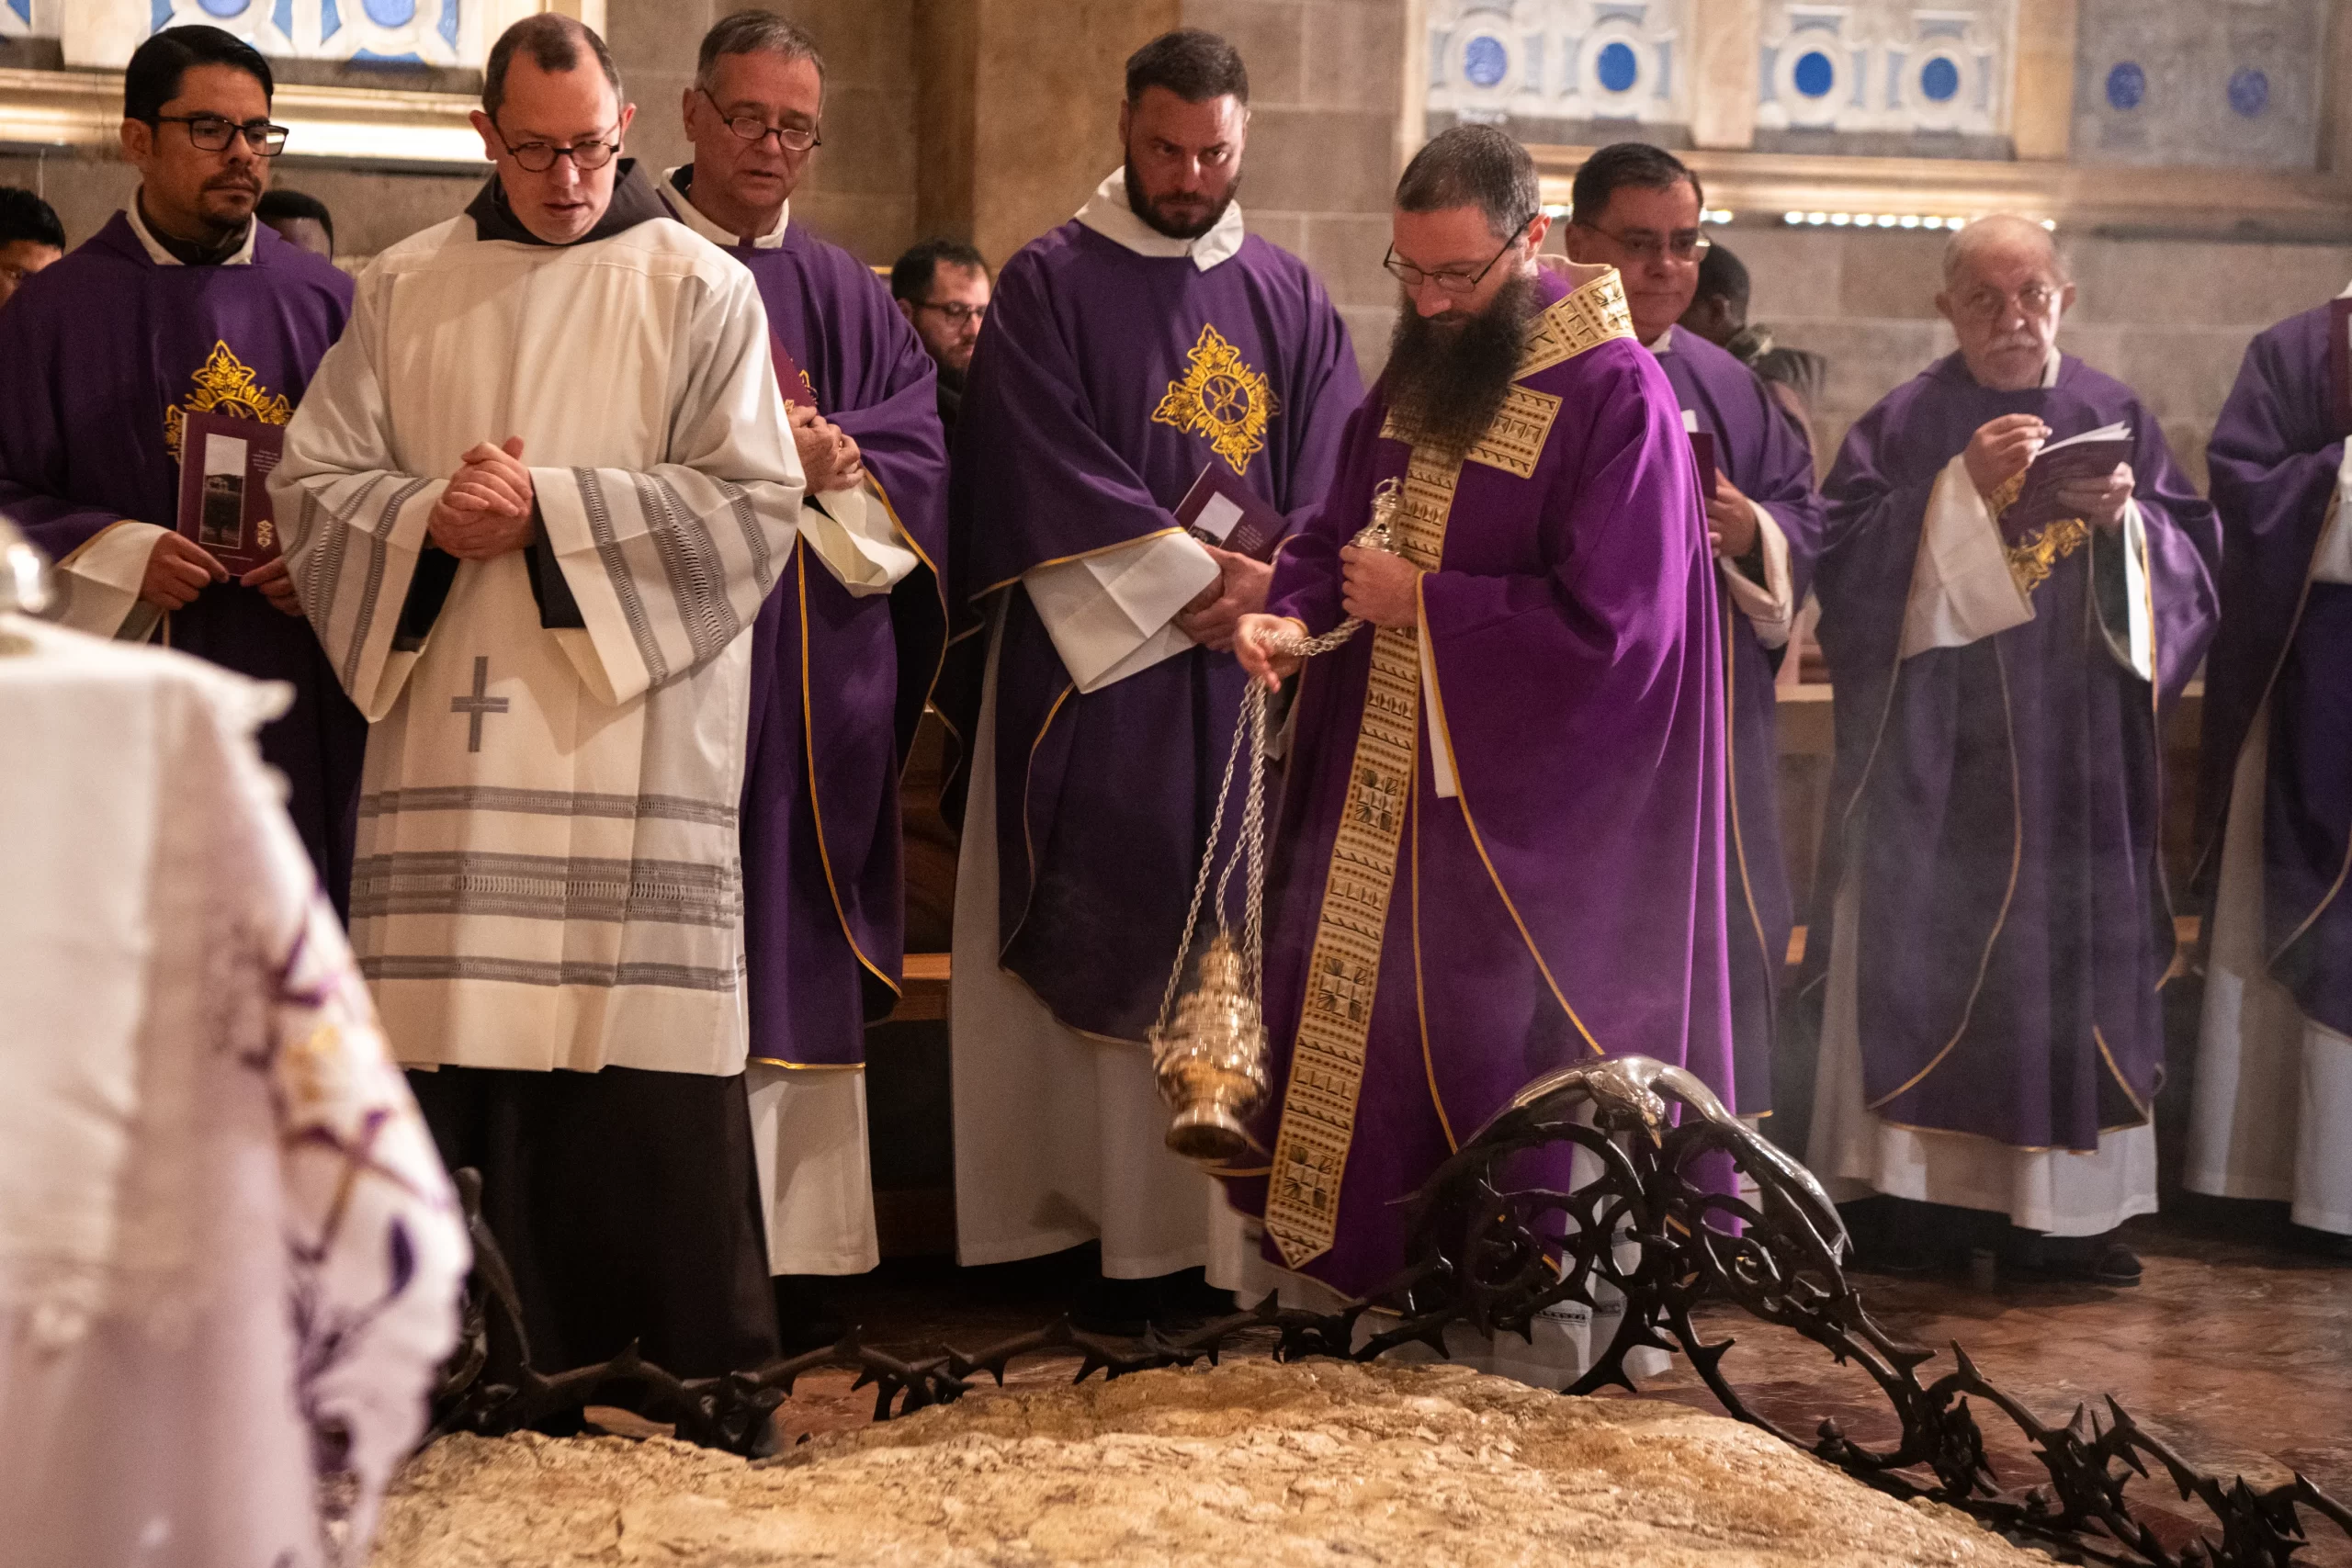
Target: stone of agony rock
(1252,1465)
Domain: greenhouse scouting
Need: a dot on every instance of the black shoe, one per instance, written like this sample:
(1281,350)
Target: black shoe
(1186,1300)
(2093,1259)
(2328,1245)
(806,1315)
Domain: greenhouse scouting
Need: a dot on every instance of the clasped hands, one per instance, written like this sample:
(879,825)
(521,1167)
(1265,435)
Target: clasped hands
(1376,586)
(486,510)
(2001,449)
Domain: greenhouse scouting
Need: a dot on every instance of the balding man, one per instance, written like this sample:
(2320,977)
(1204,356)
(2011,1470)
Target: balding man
(1994,921)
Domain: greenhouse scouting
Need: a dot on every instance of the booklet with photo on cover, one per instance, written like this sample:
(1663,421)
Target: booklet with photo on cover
(224,487)
(1221,511)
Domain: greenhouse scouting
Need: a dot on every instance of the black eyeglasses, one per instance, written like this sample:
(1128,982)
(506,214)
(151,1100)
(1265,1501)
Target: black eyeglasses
(1683,244)
(752,128)
(1411,277)
(539,157)
(956,312)
(212,132)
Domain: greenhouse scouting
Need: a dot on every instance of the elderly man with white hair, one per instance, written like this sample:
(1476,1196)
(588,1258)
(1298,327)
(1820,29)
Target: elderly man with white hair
(2007,615)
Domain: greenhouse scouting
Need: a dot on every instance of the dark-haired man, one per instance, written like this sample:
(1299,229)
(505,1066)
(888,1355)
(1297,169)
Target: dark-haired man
(1125,352)
(842,655)
(31,238)
(301,221)
(181,304)
(1500,844)
(942,286)
(1636,208)
(540,489)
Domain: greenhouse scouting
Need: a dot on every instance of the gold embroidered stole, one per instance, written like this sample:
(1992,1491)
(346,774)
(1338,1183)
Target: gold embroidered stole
(1343,969)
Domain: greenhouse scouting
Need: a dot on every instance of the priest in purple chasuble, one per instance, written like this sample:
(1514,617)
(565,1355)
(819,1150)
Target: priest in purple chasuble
(181,304)
(535,499)
(1636,208)
(1123,352)
(844,654)
(2272,1116)
(1992,919)
(1499,848)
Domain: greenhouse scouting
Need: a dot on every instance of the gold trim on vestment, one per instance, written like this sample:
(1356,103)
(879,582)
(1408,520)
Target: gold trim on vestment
(1420,998)
(1318,1126)
(1731,779)
(808,1067)
(2032,559)
(2120,1081)
(808,751)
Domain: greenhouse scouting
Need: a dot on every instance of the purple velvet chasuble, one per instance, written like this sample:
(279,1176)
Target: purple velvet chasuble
(1999,802)
(1568,901)
(1103,381)
(838,681)
(1762,452)
(2287,638)
(101,355)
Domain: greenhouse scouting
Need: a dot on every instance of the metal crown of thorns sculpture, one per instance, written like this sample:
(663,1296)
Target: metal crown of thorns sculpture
(1491,1253)
(1210,1060)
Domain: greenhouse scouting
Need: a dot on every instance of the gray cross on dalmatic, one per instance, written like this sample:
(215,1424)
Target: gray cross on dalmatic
(474,707)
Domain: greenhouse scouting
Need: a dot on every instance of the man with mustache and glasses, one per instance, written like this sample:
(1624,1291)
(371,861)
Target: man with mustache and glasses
(535,502)
(842,655)
(183,303)
(1124,353)
(1637,208)
(1993,923)
(1500,841)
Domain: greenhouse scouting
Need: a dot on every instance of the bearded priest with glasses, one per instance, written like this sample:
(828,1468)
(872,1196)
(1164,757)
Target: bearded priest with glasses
(181,305)
(1499,848)
(536,501)
(1993,922)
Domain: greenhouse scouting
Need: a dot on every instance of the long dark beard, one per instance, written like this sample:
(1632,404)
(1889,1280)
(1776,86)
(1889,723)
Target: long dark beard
(1447,383)
(1160,223)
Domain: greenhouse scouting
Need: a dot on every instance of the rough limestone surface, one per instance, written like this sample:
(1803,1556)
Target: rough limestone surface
(1317,1464)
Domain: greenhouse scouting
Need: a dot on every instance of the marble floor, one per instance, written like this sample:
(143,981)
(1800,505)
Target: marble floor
(2236,1352)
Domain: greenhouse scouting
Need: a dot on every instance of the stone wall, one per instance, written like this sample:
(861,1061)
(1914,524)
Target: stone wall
(2169,317)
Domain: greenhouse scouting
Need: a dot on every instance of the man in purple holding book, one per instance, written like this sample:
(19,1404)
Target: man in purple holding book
(1637,208)
(844,653)
(1500,843)
(2273,1112)
(1993,917)
(1137,344)
(182,304)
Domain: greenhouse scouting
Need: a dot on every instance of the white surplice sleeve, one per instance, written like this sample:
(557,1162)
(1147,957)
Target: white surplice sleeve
(851,533)
(1961,589)
(97,585)
(1770,605)
(1113,612)
(669,565)
(353,525)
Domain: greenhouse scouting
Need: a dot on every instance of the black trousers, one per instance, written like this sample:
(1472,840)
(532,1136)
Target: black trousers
(626,1203)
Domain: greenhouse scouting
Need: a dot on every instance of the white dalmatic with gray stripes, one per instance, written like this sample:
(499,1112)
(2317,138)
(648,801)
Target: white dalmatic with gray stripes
(547,871)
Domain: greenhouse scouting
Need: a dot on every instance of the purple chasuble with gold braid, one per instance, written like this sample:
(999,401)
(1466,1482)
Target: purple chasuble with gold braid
(1998,802)
(1567,900)
(101,357)
(2285,637)
(839,679)
(1105,380)
(1760,450)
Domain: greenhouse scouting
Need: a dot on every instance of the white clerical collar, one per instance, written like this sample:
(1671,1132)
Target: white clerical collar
(1108,214)
(693,217)
(242,256)
(1664,343)
(2050,366)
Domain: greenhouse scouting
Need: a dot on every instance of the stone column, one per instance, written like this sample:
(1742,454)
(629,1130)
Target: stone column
(2042,102)
(1725,43)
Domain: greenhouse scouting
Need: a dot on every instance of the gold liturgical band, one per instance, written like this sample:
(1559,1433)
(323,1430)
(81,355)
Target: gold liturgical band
(1343,970)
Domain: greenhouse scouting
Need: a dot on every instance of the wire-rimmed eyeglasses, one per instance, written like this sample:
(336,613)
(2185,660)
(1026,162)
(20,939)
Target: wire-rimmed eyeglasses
(1644,245)
(752,128)
(1411,277)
